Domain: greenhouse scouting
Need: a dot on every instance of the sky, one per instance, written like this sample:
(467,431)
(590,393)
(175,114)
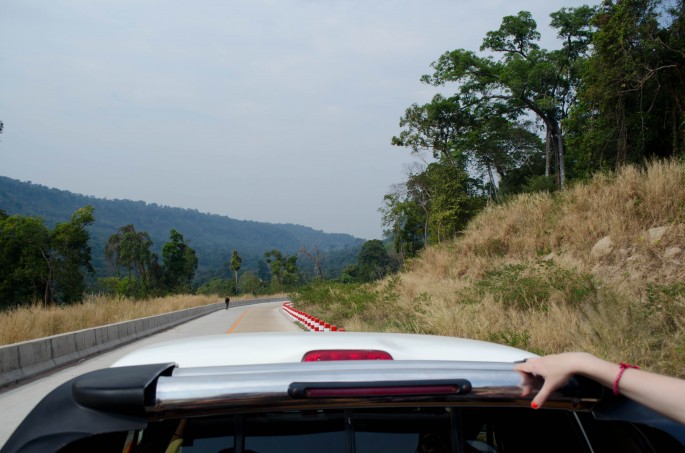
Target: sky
(277,111)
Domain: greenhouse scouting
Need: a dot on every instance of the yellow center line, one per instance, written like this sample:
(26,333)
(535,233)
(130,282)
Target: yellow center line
(235,324)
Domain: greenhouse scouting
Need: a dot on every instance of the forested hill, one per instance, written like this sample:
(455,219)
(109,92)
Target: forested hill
(213,237)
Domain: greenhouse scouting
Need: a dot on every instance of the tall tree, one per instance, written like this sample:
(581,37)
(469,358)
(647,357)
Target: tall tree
(283,267)
(180,263)
(633,95)
(314,255)
(71,255)
(373,262)
(24,254)
(236,263)
(130,249)
(435,127)
(250,283)
(406,222)
(39,264)
(525,78)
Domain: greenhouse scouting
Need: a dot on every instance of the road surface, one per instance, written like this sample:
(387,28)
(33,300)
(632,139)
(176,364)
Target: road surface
(17,402)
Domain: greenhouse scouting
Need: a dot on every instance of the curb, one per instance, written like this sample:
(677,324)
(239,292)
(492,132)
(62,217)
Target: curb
(308,321)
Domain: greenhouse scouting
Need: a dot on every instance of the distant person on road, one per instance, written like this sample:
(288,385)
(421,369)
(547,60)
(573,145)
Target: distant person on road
(227,300)
(663,394)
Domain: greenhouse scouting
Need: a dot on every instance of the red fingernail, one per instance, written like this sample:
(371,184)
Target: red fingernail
(534,405)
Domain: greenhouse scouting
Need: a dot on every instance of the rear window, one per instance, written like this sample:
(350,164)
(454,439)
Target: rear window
(407,430)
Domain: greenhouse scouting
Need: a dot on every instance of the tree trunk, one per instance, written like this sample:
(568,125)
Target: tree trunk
(562,165)
(548,151)
(492,179)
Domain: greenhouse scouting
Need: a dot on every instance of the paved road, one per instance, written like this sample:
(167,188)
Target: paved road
(17,402)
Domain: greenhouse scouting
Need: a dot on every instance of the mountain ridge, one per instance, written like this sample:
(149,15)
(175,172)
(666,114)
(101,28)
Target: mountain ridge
(213,236)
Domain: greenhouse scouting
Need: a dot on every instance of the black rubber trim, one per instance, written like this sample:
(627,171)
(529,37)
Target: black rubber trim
(103,401)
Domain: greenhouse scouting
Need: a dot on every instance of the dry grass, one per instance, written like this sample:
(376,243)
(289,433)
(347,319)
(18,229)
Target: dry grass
(27,323)
(523,274)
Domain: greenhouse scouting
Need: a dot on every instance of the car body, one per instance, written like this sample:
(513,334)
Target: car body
(332,392)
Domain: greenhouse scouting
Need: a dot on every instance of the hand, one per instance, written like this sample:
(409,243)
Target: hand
(556,370)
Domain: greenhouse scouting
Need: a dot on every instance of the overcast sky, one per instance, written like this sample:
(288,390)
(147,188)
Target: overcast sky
(266,110)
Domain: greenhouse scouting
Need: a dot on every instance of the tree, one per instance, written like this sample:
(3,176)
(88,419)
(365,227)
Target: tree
(24,252)
(474,132)
(130,249)
(315,257)
(180,263)
(70,255)
(236,262)
(39,264)
(525,78)
(406,221)
(217,286)
(451,203)
(283,267)
(373,262)
(435,127)
(633,93)
(250,283)
(434,204)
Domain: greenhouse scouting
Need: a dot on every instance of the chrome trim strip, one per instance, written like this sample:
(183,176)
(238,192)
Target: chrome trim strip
(265,387)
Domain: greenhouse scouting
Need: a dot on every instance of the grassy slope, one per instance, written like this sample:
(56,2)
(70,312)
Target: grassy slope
(524,274)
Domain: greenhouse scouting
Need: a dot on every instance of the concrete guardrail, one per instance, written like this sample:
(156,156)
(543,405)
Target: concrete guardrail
(28,359)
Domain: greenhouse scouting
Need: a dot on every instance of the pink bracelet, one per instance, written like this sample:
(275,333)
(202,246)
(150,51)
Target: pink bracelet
(623,367)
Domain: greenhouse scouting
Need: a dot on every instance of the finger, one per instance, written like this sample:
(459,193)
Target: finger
(524,367)
(527,364)
(542,396)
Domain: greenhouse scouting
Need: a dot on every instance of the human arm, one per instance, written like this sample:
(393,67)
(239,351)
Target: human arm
(663,394)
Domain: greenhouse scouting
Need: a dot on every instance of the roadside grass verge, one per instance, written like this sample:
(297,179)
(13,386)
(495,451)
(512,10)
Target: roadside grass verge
(36,321)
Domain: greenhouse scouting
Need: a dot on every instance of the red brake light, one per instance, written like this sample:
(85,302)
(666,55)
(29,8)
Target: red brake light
(345,354)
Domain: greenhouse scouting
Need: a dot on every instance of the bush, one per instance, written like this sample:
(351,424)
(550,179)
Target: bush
(217,286)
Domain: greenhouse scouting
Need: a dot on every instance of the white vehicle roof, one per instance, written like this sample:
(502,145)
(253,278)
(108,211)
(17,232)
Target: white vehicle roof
(265,348)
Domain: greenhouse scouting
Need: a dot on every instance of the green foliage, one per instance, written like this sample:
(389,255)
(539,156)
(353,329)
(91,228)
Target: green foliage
(71,255)
(633,90)
(236,263)
(217,286)
(540,183)
(530,287)
(665,305)
(24,249)
(451,206)
(123,287)
(525,80)
(39,264)
(336,302)
(373,262)
(339,303)
(213,237)
(435,204)
(130,249)
(284,271)
(251,284)
(180,263)
(405,222)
